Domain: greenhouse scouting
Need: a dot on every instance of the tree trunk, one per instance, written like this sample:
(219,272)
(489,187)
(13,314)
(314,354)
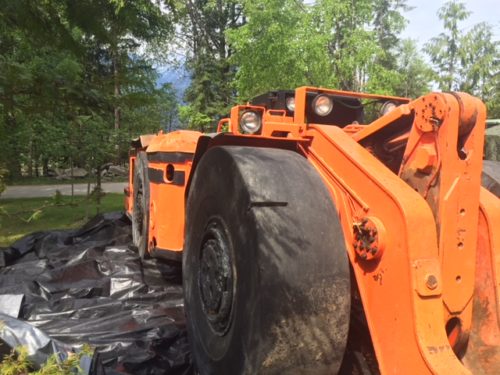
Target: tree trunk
(117,88)
(13,152)
(98,188)
(72,180)
(88,200)
(37,173)
(45,167)
(30,160)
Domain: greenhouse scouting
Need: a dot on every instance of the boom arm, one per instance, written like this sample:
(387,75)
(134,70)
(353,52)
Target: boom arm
(413,240)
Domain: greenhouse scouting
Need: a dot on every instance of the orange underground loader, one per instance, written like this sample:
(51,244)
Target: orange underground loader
(323,231)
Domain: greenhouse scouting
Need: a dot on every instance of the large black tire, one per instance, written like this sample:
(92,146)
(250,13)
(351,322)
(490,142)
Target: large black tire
(265,270)
(140,212)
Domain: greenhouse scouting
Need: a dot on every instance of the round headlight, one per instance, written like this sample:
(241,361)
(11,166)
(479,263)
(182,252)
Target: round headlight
(387,107)
(250,122)
(322,105)
(290,103)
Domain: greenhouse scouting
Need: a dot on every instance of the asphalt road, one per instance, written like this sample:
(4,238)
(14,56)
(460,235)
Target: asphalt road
(34,191)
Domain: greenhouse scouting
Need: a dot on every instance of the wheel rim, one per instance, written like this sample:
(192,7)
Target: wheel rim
(215,277)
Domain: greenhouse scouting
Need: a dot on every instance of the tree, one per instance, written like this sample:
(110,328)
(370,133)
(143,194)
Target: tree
(343,44)
(388,23)
(120,27)
(203,26)
(158,111)
(414,74)
(399,68)
(352,45)
(493,103)
(466,61)
(479,61)
(62,61)
(444,50)
(276,49)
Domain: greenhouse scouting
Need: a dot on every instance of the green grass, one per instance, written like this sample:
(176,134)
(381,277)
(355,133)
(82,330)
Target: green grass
(54,181)
(19,217)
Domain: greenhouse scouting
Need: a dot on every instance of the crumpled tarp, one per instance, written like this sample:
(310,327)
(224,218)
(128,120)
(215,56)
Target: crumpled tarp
(61,289)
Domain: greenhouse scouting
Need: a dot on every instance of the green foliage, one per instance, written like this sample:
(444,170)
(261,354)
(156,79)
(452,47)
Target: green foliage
(480,63)
(388,23)
(3,173)
(203,27)
(493,104)
(352,46)
(74,80)
(78,78)
(194,119)
(342,44)
(466,61)
(415,75)
(158,111)
(18,363)
(444,50)
(273,49)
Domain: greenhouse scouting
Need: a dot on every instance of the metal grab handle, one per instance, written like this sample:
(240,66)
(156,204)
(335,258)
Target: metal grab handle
(280,112)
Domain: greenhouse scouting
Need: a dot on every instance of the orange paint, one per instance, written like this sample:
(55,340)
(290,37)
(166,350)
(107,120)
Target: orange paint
(422,235)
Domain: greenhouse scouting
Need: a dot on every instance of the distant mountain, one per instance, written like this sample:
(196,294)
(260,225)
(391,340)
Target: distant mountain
(178,77)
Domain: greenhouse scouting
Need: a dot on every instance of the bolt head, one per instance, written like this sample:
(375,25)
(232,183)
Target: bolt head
(431,281)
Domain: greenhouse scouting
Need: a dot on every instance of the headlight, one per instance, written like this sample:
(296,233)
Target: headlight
(387,107)
(250,122)
(290,103)
(322,105)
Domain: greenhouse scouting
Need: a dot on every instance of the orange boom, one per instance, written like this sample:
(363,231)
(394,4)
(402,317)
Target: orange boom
(323,231)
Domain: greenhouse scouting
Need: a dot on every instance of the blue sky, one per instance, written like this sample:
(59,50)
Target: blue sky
(425,24)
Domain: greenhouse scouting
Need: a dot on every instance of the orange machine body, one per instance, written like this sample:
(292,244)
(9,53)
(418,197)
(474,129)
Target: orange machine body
(169,166)
(421,233)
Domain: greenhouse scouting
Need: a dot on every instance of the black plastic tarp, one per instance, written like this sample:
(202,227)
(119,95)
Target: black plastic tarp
(61,289)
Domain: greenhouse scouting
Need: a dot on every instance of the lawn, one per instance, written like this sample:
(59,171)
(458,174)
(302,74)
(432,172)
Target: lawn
(19,217)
